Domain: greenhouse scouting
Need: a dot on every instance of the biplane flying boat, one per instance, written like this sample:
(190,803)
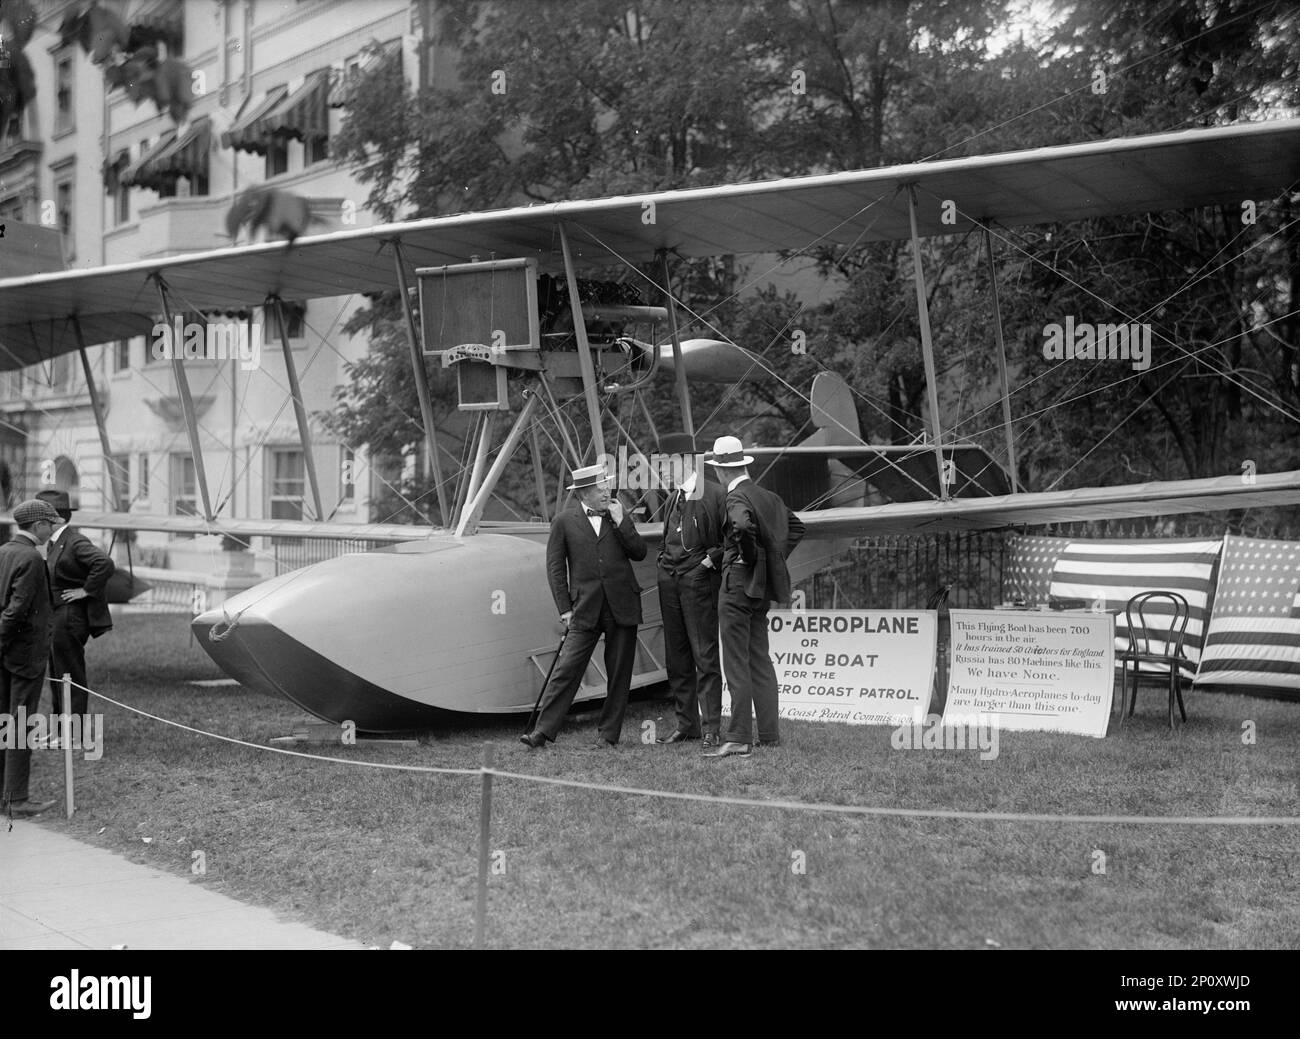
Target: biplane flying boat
(458,618)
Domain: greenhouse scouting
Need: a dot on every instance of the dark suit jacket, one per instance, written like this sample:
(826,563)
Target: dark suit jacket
(586,571)
(703,521)
(26,620)
(762,532)
(75,562)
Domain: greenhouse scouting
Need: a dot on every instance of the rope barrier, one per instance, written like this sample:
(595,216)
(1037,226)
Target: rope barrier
(486,771)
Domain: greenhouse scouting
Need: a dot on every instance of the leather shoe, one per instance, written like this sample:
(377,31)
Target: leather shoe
(770,743)
(729,749)
(676,737)
(30,807)
(603,744)
(534,740)
(710,740)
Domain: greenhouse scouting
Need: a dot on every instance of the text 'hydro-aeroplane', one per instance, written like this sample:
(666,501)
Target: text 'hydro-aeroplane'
(459,619)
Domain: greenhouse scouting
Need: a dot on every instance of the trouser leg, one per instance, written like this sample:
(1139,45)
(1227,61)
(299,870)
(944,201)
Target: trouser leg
(678,656)
(68,654)
(700,610)
(565,680)
(21,697)
(767,708)
(734,610)
(620,656)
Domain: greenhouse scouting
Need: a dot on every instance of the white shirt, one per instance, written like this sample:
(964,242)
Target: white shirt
(594,520)
(54,538)
(737,482)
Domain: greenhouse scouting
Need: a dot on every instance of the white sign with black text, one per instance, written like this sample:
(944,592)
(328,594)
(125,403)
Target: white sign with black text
(1032,671)
(864,667)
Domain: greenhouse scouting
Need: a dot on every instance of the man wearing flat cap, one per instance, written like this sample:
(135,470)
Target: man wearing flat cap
(589,558)
(761,533)
(25,624)
(78,573)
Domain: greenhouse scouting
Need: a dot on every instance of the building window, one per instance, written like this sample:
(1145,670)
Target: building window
(121,204)
(63,204)
(117,489)
(63,110)
(13,129)
(142,476)
(121,355)
(12,208)
(288,484)
(317,150)
(184,486)
(295,319)
(277,156)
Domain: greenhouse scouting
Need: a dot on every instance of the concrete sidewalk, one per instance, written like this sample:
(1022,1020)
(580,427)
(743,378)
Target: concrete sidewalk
(58,893)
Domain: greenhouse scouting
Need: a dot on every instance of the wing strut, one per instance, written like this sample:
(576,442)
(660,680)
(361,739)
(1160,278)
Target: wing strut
(584,349)
(299,408)
(469,517)
(187,402)
(120,493)
(927,345)
(1002,363)
(421,385)
(679,368)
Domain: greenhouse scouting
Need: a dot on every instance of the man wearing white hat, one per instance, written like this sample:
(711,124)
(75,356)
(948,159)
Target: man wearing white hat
(589,565)
(760,534)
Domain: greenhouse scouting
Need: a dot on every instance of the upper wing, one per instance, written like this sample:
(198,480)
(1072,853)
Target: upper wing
(1158,498)
(1069,182)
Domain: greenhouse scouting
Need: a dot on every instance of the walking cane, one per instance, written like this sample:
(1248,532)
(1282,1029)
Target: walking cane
(547,681)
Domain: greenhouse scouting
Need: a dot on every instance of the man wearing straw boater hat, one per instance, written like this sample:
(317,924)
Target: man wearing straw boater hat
(589,565)
(25,624)
(760,534)
(78,573)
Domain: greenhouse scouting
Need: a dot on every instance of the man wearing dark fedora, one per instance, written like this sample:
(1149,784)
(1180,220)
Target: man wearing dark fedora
(25,624)
(589,558)
(690,573)
(761,533)
(78,573)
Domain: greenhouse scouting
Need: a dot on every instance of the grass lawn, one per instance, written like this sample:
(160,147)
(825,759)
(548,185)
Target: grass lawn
(378,855)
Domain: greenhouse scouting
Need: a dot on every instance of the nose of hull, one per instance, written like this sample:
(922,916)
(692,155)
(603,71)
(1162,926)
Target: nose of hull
(260,656)
(394,640)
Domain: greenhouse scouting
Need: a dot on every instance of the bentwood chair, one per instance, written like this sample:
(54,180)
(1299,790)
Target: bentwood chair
(1156,638)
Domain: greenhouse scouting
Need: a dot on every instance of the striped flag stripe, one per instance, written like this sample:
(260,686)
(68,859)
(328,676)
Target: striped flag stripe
(1117,571)
(1254,633)
(1272,667)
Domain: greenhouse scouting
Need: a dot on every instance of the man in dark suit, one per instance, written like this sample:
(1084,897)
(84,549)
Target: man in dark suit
(25,623)
(78,573)
(589,565)
(761,533)
(690,573)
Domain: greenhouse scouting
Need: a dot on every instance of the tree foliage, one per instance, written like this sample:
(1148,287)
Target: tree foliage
(597,97)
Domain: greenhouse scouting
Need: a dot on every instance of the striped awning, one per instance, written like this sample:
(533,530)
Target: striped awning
(112,169)
(152,20)
(303,114)
(242,135)
(183,155)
